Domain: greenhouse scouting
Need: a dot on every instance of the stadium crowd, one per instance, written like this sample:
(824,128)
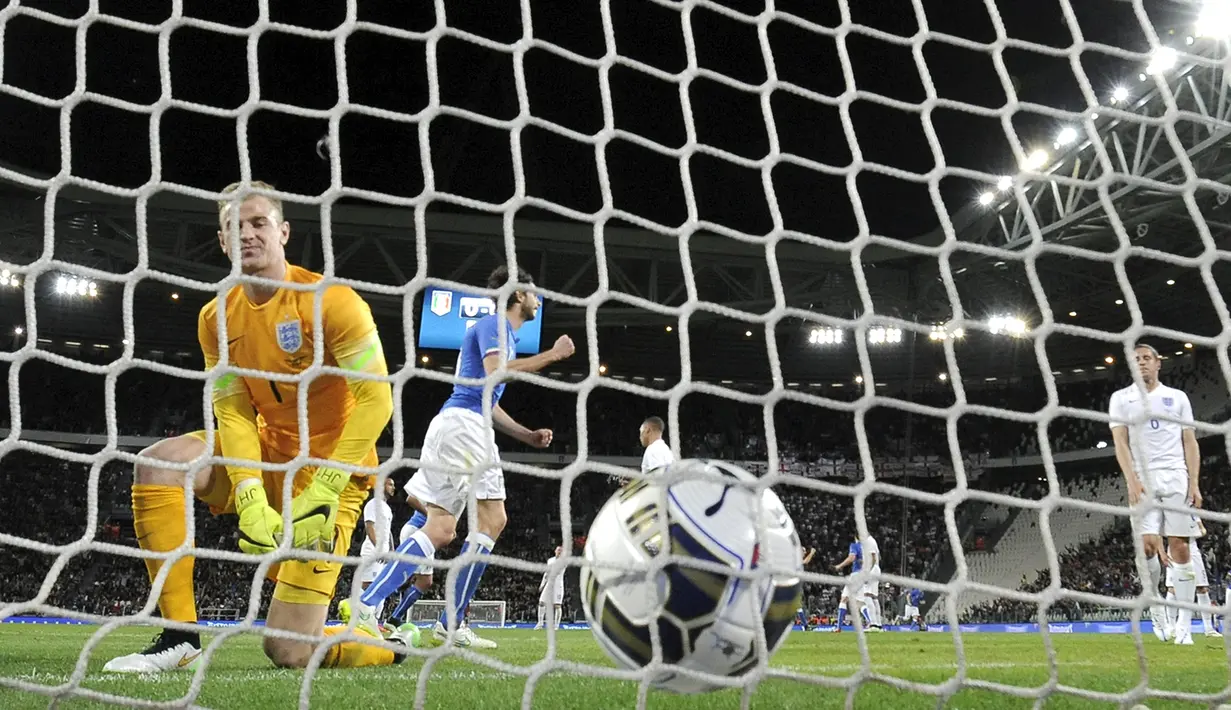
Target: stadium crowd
(811,440)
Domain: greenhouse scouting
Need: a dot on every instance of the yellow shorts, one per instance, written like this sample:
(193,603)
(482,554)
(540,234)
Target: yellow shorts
(299,582)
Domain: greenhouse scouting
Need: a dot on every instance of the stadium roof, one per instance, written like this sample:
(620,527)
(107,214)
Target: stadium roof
(821,187)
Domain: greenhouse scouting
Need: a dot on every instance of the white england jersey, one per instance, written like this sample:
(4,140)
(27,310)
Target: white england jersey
(871,548)
(1157,444)
(378,513)
(553,592)
(657,455)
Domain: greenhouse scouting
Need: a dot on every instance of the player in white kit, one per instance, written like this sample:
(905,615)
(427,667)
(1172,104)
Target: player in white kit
(1161,463)
(551,590)
(657,452)
(460,458)
(1203,585)
(377,521)
(871,589)
(860,554)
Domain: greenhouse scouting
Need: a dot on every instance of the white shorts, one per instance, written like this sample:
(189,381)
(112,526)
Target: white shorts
(407,531)
(459,439)
(1169,523)
(871,588)
(552,595)
(370,572)
(910,612)
(1203,579)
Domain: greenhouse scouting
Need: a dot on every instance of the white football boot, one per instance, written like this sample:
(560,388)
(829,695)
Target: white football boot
(171,651)
(365,620)
(464,638)
(1162,626)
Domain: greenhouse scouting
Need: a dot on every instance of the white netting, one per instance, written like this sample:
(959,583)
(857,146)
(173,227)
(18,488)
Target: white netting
(1112,167)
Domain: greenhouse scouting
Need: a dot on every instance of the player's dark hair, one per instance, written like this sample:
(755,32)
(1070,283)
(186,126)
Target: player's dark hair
(500,276)
(656,423)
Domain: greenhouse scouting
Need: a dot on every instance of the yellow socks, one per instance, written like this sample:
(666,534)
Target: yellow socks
(158,518)
(352,654)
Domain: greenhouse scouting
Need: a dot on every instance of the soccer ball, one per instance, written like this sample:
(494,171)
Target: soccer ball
(707,621)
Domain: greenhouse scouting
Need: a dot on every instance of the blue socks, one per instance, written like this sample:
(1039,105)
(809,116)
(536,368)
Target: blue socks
(396,572)
(409,597)
(867,618)
(467,577)
(841,615)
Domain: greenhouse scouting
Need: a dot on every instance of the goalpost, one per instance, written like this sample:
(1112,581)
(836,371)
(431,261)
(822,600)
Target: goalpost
(1049,189)
(482,613)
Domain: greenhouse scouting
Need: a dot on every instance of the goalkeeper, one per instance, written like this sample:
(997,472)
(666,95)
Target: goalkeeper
(270,329)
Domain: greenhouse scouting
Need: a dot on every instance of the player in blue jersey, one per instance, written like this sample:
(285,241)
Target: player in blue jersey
(852,594)
(460,458)
(911,612)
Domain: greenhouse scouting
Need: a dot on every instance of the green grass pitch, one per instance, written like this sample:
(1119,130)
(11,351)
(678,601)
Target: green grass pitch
(240,677)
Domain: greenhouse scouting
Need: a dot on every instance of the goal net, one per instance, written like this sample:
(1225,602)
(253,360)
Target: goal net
(889,257)
(482,613)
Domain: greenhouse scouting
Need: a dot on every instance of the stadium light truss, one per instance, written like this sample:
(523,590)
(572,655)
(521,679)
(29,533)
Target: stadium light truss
(825,336)
(884,336)
(1214,19)
(73,286)
(1008,325)
(941,333)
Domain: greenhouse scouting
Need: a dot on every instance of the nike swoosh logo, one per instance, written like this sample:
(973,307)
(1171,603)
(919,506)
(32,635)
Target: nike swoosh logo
(188,658)
(317,569)
(321,510)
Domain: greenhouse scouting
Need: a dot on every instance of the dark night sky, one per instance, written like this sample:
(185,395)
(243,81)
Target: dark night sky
(471,160)
(390,73)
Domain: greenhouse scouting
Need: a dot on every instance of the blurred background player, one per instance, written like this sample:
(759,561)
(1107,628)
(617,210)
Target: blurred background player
(377,539)
(657,452)
(911,611)
(801,615)
(1203,586)
(270,329)
(871,597)
(865,596)
(421,579)
(458,440)
(1161,463)
(551,590)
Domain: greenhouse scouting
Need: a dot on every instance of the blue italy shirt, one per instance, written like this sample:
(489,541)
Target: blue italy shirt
(857,551)
(914,597)
(481,340)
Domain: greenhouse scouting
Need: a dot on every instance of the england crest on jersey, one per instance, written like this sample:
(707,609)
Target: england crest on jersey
(1168,401)
(290,336)
(442,303)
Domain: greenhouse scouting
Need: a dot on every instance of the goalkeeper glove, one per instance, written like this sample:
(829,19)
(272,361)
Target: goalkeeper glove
(260,526)
(315,510)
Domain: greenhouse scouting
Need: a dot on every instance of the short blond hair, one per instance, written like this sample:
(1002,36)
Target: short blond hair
(224,205)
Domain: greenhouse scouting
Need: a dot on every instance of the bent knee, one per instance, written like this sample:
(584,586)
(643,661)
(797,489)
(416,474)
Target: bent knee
(440,532)
(287,654)
(179,450)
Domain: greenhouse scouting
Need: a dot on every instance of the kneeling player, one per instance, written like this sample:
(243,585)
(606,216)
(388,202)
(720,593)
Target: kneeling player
(270,329)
